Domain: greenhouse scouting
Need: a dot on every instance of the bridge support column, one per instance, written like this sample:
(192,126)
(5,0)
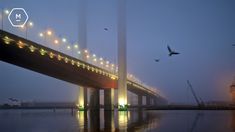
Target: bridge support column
(94,99)
(140,100)
(82,99)
(148,101)
(108,99)
(155,101)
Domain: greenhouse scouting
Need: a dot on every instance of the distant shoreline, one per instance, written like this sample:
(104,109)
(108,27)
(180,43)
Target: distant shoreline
(144,108)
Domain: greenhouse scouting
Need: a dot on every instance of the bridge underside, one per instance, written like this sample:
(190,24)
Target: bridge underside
(43,64)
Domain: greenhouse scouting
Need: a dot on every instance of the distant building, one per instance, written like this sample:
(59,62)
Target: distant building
(232,90)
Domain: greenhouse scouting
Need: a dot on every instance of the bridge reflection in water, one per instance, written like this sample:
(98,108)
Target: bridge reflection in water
(116,120)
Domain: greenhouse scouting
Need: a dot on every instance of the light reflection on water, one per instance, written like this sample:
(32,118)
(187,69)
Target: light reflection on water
(67,121)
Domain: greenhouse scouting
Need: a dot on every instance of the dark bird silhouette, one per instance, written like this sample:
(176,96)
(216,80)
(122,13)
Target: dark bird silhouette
(171,52)
(106,29)
(233,45)
(156,60)
(13,100)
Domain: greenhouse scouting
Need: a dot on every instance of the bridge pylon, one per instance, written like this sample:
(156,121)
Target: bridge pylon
(122,73)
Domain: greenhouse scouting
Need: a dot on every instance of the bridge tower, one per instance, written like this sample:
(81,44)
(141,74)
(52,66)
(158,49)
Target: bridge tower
(122,73)
(82,37)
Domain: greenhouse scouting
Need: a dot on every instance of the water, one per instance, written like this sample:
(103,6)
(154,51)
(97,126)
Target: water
(160,121)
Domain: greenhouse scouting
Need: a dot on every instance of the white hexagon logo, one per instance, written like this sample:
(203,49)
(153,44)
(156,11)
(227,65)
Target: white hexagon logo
(18,17)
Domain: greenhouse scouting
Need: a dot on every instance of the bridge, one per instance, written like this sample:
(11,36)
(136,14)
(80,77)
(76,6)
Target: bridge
(83,69)
(30,55)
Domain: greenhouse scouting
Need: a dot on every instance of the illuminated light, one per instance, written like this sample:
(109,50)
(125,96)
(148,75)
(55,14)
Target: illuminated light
(30,24)
(94,55)
(66,60)
(101,62)
(95,60)
(49,32)
(7,40)
(101,59)
(64,40)
(79,52)
(72,62)
(78,64)
(88,68)
(87,56)
(6,12)
(107,62)
(59,57)
(32,48)
(75,46)
(6,37)
(56,41)
(41,34)
(83,66)
(86,51)
(21,44)
(42,52)
(122,104)
(51,55)
(68,47)
(112,65)
(107,66)
(100,71)
(92,69)
(113,77)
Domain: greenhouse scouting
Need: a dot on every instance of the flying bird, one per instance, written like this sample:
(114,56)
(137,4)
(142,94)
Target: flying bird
(171,52)
(233,45)
(106,29)
(156,60)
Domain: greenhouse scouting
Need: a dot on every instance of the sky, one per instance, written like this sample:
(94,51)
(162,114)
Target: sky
(203,31)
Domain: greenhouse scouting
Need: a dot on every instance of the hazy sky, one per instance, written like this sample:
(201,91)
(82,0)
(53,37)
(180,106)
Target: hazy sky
(203,31)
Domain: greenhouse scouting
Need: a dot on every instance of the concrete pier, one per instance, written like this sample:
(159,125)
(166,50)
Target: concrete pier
(109,99)
(148,100)
(140,100)
(82,98)
(94,99)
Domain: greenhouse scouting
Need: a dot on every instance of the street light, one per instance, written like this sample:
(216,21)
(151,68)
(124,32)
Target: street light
(49,32)
(56,41)
(75,46)
(29,24)
(6,12)
(68,47)
(64,40)
(44,35)
(41,35)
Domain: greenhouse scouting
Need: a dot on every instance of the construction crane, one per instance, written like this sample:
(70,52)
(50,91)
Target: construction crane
(200,103)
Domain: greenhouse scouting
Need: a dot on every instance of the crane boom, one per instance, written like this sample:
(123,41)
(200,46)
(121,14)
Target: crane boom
(193,92)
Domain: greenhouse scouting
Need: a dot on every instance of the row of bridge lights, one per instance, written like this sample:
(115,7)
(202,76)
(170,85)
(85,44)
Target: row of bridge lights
(87,56)
(59,57)
(85,52)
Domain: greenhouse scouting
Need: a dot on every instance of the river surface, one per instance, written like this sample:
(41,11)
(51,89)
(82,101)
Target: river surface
(153,121)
